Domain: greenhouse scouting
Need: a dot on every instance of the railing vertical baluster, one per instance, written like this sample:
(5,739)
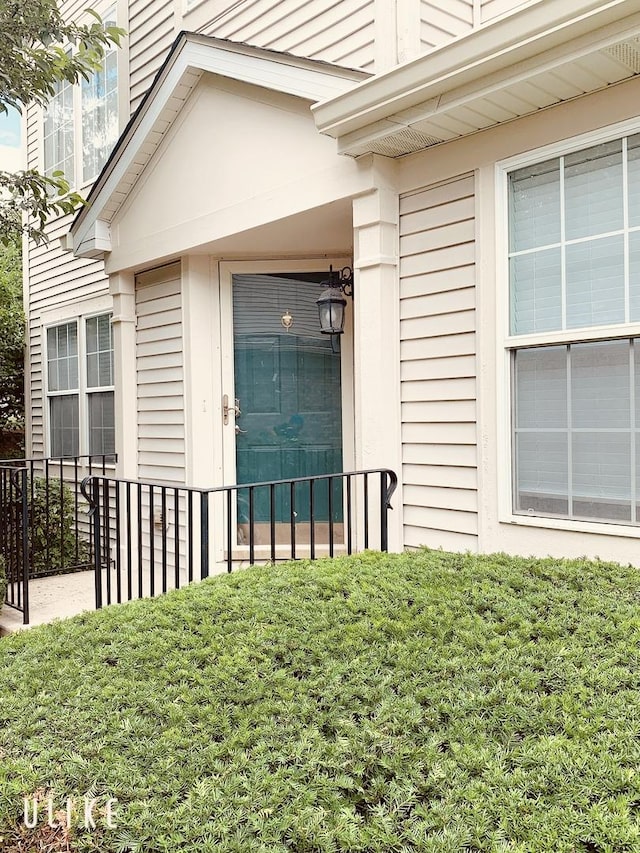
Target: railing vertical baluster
(252,556)
(12,537)
(272,520)
(330,489)
(76,532)
(384,508)
(176,537)
(349,536)
(190,535)
(163,521)
(204,535)
(229,532)
(312,522)
(140,550)
(106,534)
(129,543)
(47,517)
(152,545)
(15,533)
(292,507)
(118,543)
(62,524)
(95,518)
(24,555)
(366,511)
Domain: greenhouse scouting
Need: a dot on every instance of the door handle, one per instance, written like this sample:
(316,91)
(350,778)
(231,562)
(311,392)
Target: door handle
(226,408)
(240,431)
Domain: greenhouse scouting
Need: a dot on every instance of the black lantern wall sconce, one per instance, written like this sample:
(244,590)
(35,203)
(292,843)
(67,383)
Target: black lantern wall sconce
(332,302)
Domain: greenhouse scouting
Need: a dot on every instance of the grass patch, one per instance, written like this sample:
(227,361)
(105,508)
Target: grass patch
(417,702)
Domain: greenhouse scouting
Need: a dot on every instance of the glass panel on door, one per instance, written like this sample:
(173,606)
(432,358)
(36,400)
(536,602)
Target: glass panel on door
(287,382)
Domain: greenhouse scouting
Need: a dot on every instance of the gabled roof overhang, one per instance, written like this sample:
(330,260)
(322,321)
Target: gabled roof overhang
(190,57)
(544,53)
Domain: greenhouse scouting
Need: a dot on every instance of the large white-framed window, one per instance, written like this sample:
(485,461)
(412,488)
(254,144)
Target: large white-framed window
(573,339)
(80,393)
(81,122)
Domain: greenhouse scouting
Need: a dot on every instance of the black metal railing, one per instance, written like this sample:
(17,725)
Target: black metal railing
(14,545)
(58,528)
(150,537)
(44,523)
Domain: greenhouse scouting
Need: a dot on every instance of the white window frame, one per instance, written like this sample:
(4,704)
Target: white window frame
(83,391)
(77,181)
(506,343)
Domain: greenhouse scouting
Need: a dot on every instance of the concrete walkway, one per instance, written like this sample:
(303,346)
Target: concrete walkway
(52,598)
(61,596)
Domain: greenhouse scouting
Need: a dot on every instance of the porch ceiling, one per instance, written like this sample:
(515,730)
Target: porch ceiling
(325,230)
(547,52)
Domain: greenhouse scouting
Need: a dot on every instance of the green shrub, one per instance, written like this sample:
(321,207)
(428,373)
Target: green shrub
(53,544)
(414,703)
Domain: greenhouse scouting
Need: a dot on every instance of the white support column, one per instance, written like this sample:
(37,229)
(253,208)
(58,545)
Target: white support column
(122,288)
(201,348)
(376,307)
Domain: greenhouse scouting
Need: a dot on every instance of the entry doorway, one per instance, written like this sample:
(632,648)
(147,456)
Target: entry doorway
(288,396)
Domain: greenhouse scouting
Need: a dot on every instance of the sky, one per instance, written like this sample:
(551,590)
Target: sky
(10,155)
(10,129)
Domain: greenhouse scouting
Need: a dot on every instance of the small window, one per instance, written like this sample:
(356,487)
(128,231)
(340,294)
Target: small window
(100,404)
(81,399)
(62,373)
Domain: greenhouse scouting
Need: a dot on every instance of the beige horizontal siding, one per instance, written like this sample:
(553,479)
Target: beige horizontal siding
(338,31)
(441,22)
(152,29)
(415,537)
(438,366)
(160,376)
(492,8)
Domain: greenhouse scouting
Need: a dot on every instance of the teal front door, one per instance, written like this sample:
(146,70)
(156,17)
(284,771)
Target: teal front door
(288,387)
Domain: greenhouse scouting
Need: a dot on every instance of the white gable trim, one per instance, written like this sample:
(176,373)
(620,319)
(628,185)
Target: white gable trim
(191,57)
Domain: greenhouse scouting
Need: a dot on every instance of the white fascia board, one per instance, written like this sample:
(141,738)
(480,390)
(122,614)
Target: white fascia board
(308,79)
(491,49)
(280,72)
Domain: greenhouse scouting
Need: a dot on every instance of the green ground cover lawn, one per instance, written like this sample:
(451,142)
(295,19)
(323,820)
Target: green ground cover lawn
(422,702)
